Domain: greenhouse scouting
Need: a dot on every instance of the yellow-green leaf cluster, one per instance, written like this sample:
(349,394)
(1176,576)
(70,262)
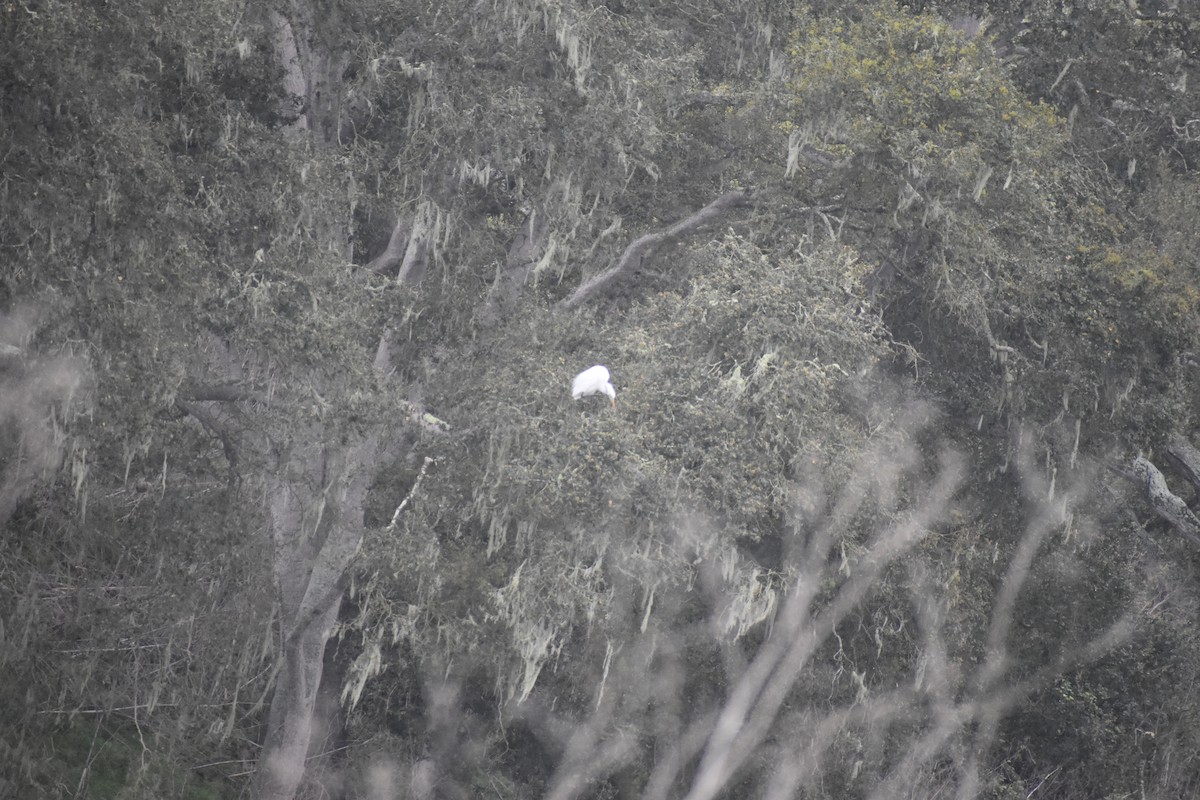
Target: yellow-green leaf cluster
(861,83)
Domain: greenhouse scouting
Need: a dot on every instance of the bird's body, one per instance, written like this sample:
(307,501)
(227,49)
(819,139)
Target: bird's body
(593,380)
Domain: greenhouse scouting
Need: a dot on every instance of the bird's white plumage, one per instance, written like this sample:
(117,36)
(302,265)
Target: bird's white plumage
(593,380)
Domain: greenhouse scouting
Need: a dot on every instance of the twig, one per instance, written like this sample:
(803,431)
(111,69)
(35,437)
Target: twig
(1049,775)
(112,710)
(219,763)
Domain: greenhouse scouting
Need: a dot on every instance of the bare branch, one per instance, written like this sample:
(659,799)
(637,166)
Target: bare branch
(754,705)
(404,503)
(643,248)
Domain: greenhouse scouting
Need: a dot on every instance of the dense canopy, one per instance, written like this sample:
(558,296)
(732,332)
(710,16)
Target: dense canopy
(902,307)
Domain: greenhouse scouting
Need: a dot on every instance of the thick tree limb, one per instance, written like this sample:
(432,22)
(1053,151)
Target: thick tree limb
(1186,458)
(1165,503)
(312,562)
(416,253)
(643,248)
(397,244)
(385,353)
(295,87)
(518,265)
(311,75)
(309,617)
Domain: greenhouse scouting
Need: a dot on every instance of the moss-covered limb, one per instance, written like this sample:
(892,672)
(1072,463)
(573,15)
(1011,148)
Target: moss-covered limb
(644,247)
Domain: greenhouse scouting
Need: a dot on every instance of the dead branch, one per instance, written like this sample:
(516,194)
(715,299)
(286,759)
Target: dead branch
(755,701)
(643,248)
(404,503)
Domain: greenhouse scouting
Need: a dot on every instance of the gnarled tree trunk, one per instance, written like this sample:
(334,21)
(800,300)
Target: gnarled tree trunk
(315,502)
(315,485)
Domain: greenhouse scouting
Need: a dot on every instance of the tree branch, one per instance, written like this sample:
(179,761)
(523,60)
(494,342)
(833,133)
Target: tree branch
(1184,455)
(309,616)
(416,253)
(643,248)
(397,244)
(1165,503)
(403,503)
(518,264)
(216,427)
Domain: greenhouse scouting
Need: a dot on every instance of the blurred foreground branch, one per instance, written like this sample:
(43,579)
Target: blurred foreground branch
(768,714)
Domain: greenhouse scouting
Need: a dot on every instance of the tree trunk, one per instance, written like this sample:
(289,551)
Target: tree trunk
(315,490)
(290,727)
(315,503)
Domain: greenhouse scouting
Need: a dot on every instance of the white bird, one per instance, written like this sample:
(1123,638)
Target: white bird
(593,380)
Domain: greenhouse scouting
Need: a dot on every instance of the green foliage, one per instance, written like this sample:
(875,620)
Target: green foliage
(998,262)
(933,119)
(729,391)
(910,84)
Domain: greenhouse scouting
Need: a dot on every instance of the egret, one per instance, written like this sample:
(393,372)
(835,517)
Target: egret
(593,380)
